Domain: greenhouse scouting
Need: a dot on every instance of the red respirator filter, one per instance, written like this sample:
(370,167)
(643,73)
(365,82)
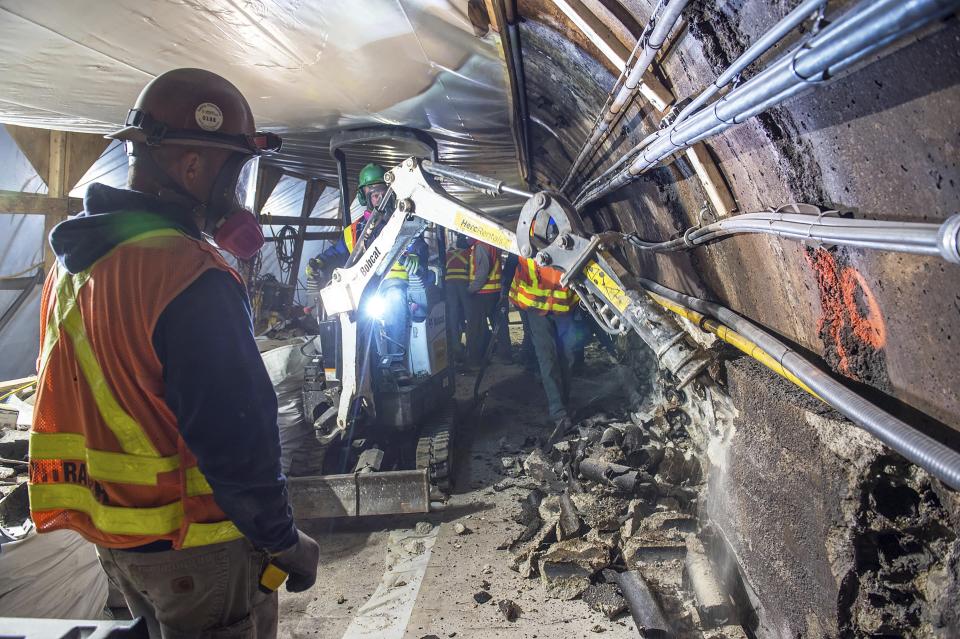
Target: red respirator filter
(240,234)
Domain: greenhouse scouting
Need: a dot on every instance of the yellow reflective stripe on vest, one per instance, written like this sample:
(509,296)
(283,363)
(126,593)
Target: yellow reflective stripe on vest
(102,465)
(205,534)
(397,272)
(197,484)
(128,432)
(115,520)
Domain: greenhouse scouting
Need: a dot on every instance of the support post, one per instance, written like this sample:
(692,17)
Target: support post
(310,196)
(56,188)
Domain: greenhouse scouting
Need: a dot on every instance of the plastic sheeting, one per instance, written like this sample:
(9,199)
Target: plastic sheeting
(308,67)
(285,366)
(55,575)
(21,250)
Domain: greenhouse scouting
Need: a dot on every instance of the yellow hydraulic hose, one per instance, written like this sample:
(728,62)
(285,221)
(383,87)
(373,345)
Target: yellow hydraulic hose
(733,338)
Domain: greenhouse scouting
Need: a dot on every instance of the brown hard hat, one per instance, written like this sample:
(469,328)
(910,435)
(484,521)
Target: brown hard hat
(194,107)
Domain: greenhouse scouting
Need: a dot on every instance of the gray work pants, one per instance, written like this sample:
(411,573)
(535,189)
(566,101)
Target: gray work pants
(206,592)
(458,301)
(554,341)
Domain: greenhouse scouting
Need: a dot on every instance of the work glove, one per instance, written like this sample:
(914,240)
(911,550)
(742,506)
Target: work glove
(412,263)
(300,561)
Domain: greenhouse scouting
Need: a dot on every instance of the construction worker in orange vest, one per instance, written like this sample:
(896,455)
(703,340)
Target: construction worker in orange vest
(484,289)
(155,433)
(536,292)
(455,280)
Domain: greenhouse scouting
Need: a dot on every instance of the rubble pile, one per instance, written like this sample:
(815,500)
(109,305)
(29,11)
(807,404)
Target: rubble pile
(15,416)
(609,516)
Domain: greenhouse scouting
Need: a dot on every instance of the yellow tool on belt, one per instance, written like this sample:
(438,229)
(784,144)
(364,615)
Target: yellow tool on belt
(272,578)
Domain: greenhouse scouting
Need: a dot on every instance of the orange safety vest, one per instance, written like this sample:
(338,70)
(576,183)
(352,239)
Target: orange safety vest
(106,456)
(458,265)
(492,285)
(538,288)
(352,233)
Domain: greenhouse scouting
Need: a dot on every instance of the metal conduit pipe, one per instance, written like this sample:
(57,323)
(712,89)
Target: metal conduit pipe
(921,238)
(867,28)
(769,39)
(939,460)
(652,38)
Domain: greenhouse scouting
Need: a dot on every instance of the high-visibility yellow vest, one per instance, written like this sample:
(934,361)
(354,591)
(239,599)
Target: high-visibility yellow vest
(492,285)
(538,288)
(397,272)
(106,456)
(458,265)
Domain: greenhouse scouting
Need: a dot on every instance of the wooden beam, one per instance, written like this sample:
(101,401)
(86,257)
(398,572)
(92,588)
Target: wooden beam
(310,196)
(83,149)
(267,179)
(56,188)
(613,49)
(290,219)
(712,179)
(38,204)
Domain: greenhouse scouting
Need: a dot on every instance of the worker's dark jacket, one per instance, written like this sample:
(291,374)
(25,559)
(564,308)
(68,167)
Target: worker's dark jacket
(214,380)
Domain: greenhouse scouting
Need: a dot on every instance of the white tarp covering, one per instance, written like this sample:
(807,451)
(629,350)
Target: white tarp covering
(308,67)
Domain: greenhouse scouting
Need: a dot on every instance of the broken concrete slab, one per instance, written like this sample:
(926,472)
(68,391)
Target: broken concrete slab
(567,566)
(569,525)
(605,598)
(713,605)
(649,546)
(14,444)
(539,467)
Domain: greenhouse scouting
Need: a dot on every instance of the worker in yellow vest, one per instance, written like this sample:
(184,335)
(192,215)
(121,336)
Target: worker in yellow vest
(455,280)
(484,289)
(537,292)
(154,433)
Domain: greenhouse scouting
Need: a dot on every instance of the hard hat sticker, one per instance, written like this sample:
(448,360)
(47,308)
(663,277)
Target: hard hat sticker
(209,116)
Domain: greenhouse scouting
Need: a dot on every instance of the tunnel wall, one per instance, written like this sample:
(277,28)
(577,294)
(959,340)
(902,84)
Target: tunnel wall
(805,503)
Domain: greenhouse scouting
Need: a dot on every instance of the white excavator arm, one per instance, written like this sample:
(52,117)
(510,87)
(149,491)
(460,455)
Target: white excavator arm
(605,287)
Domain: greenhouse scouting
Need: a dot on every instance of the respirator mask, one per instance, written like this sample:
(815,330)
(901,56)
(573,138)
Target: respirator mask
(228,222)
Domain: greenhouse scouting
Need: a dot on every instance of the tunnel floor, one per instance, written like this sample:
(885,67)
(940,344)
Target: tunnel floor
(355,553)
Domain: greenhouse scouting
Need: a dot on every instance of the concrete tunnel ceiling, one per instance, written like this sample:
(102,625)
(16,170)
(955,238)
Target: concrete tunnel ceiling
(794,495)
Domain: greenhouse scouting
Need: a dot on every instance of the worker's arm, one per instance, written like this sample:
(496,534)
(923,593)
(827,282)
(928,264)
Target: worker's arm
(217,386)
(481,268)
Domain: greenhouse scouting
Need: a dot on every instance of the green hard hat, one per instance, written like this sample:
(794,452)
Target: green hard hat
(370,174)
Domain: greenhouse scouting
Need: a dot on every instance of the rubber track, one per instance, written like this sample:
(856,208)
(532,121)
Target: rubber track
(435,445)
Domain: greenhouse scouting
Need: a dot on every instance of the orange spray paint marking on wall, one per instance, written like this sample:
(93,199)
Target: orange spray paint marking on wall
(852,328)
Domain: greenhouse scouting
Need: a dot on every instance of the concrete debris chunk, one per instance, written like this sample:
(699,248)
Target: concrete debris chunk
(678,467)
(423,527)
(7,472)
(507,462)
(538,467)
(504,484)
(712,602)
(569,525)
(605,598)
(460,529)
(14,444)
(549,507)
(510,610)
(650,546)
(482,597)
(567,566)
